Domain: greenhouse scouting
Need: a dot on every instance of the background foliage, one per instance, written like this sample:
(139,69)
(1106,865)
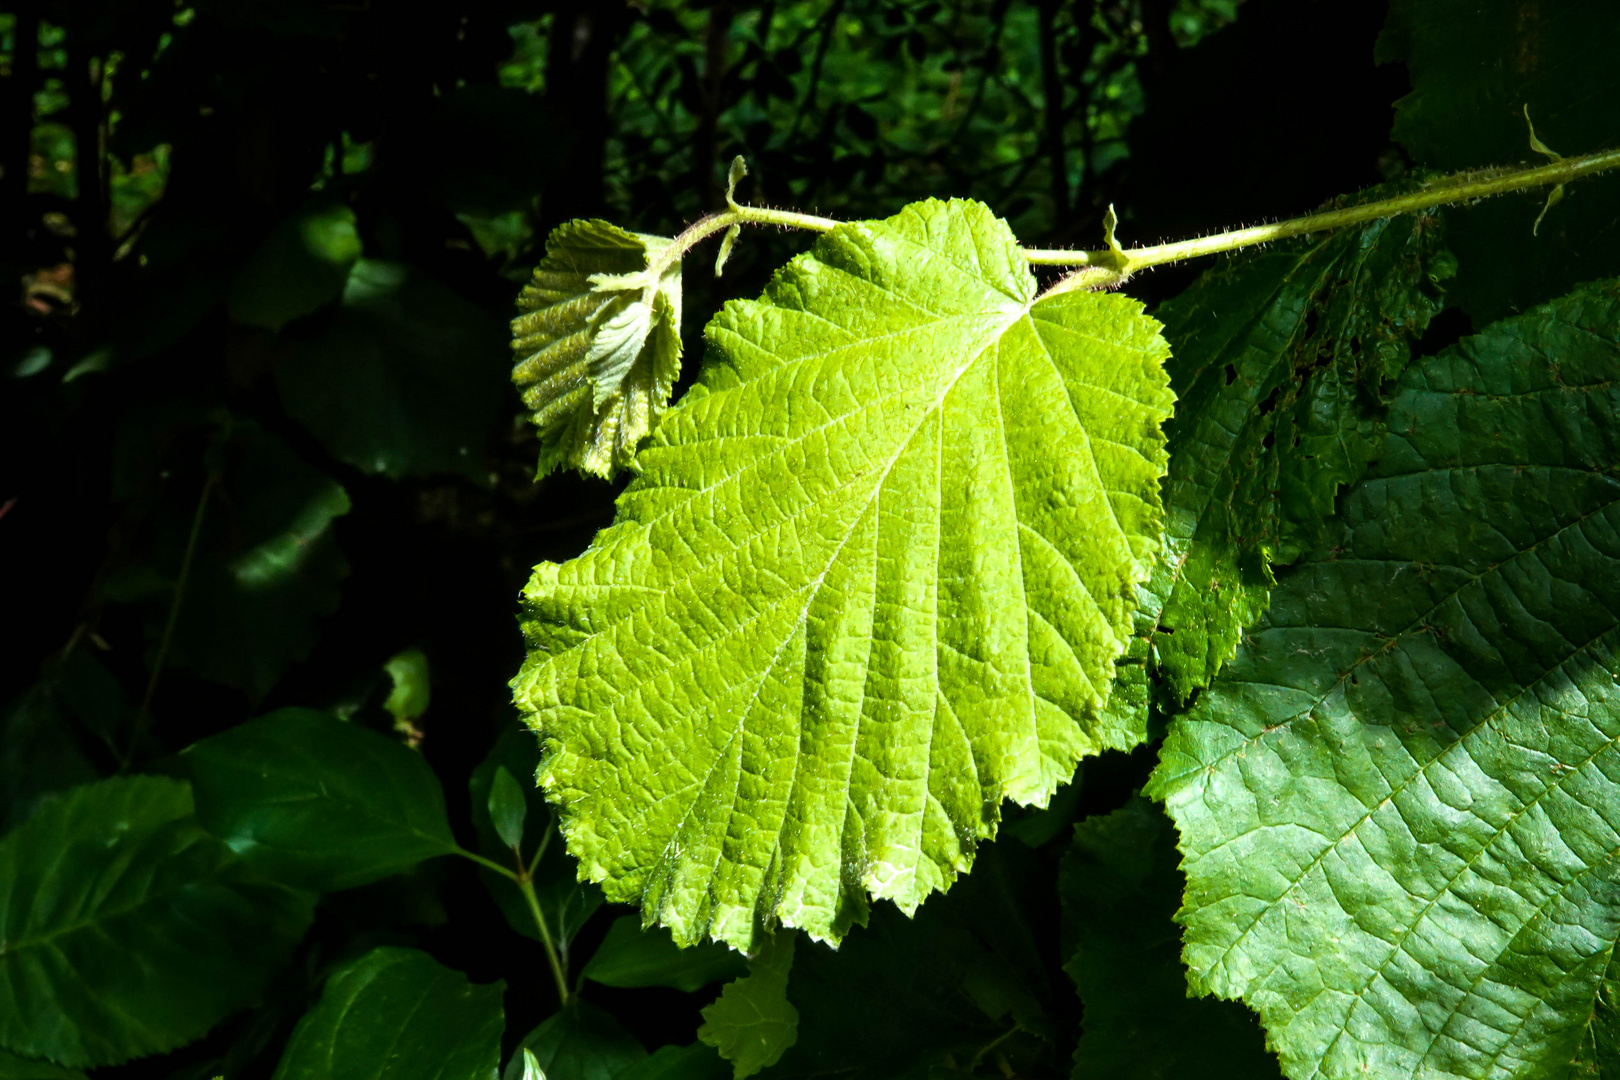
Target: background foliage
(263,256)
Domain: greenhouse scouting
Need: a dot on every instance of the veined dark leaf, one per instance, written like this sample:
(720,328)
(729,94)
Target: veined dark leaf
(313,801)
(579,1042)
(1120,890)
(397,1014)
(126,930)
(598,345)
(872,580)
(1399,805)
(1278,359)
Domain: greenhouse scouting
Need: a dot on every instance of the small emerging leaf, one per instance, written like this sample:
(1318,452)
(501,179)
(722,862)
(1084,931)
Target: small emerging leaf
(598,345)
(507,808)
(578,1042)
(531,1066)
(754,1023)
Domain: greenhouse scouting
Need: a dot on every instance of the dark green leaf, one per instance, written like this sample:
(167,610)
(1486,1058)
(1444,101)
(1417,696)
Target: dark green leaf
(300,268)
(581,1042)
(66,729)
(1475,67)
(16,1068)
(1277,361)
(964,978)
(407,379)
(1121,889)
(507,808)
(400,1015)
(1398,803)
(753,1023)
(267,565)
(631,956)
(566,901)
(316,802)
(695,1062)
(128,930)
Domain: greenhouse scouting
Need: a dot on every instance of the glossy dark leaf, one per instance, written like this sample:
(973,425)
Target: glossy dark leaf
(398,1014)
(1121,888)
(631,956)
(566,901)
(127,929)
(313,801)
(580,1042)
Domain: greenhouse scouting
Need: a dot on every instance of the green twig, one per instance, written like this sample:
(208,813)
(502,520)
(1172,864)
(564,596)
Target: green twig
(141,717)
(1113,264)
(525,883)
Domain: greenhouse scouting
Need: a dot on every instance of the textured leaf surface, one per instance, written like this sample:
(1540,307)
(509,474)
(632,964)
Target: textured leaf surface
(597,356)
(753,1023)
(695,1062)
(581,1042)
(308,799)
(127,930)
(13,1067)
(631,956)
(399,1014)
(1121,889)
(1474,68)
(1398,805)
(872,580)
(1278,358)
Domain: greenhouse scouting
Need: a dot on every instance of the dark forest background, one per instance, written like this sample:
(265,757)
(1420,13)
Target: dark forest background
(260,257)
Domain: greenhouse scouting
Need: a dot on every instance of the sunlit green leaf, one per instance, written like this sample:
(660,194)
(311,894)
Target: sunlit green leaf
(126,930)
(598,345)
(872,580)
(753,1023)
(1278,361)
(1398,803)
(400,1015)
(316,802)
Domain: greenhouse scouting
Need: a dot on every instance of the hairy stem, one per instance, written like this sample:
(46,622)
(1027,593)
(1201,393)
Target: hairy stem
(1112,265)
(1462,187)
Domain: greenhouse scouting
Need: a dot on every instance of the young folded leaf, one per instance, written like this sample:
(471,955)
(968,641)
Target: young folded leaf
(598,345)
(872,580)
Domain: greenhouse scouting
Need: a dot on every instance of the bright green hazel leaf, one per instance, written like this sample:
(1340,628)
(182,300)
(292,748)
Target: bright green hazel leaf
(1399,805)
(872,580)
(753,1023)
(126,930)
(397,1014)
(598,345)
(507,808)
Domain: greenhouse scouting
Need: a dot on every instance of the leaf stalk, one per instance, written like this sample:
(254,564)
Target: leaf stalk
(1119,263)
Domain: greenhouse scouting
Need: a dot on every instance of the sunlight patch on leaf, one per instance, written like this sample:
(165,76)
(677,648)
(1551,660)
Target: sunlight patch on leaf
(1398,805)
